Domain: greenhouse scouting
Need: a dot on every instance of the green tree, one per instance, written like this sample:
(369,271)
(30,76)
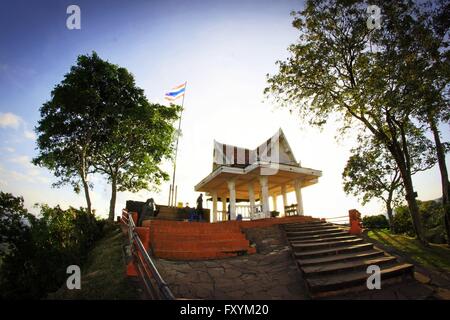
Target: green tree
(340,66)
(98,120)
(14,224)
(371,174)
(71,122)
(432,85)
(35,251)
(135,147)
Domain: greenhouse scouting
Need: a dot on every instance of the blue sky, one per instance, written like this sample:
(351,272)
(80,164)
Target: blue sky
(223,49)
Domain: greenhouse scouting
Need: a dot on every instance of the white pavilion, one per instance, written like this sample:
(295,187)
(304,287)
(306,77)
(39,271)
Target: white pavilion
(253,176)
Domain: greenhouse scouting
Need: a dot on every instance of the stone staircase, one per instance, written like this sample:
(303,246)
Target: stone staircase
(334,262)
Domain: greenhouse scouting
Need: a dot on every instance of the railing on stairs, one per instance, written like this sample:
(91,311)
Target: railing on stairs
(352,220)
(337,220)
(155,286)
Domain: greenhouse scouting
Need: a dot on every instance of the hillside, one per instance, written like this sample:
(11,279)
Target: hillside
(103,275)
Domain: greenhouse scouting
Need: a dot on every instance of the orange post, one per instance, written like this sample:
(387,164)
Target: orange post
(355,221)
(131,270)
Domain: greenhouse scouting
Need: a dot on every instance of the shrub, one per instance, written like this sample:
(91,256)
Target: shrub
(402,221)
(39,249)
(432,216)
(375,222)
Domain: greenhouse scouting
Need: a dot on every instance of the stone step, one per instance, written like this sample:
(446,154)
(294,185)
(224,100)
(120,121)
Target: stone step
(312,232)
(318,236)
(353,279)
(199,245)
(317,240)
(290,227)
(344,266)
(202,254)
(306,224)
(340,257)
(333,251)
(307,247)
(200,237)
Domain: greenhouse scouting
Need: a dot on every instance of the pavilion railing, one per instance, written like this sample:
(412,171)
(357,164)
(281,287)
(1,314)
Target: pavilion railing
(155,286)
(249,212)
(245,211)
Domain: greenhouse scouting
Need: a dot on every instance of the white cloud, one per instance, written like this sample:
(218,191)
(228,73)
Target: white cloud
(22,160)
(9,149)
(11,176)
(10,120)
(31,174)
(29,135)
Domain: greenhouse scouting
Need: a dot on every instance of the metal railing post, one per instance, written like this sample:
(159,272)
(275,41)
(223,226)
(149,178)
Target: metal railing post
(144,263)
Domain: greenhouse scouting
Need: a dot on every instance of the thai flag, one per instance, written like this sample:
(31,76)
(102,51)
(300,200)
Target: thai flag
(176,92)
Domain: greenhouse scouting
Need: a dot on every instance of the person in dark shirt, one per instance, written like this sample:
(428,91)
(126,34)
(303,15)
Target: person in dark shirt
(190,212)
(148,210)
(200,207)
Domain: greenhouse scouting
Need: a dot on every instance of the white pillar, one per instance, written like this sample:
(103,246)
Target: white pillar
(264,181)
(224,208)
(214,207)
(274,202)
(232,189)
(251,198)
(298,194)
(285,200)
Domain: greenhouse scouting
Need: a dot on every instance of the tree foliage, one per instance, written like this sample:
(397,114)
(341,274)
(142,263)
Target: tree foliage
(99,121)
(375,222)
(371,172)
(37,250)
(365,76)
(431,213)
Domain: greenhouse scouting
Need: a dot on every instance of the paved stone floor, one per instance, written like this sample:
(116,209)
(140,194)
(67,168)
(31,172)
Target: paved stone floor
(269,274)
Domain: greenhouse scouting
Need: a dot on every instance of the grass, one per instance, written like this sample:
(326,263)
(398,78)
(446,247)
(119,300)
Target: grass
(436,256)
(103,275)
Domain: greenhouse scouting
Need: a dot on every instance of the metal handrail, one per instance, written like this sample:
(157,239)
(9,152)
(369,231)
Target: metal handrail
(340,220)
(145,264)
(340,217)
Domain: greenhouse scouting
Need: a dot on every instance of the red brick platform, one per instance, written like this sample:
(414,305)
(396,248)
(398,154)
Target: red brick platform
(179,240)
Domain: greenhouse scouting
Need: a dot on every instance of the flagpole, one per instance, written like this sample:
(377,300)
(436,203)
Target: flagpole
(176,149)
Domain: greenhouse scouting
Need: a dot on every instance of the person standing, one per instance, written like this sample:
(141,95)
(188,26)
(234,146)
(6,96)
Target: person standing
(148,211)
(200,207)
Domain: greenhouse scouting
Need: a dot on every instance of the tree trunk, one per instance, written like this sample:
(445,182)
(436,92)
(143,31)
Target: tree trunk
(112,203)
(405,172)
(389,212)
(440,152)
(84,181)
(86,194)
(413,207)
